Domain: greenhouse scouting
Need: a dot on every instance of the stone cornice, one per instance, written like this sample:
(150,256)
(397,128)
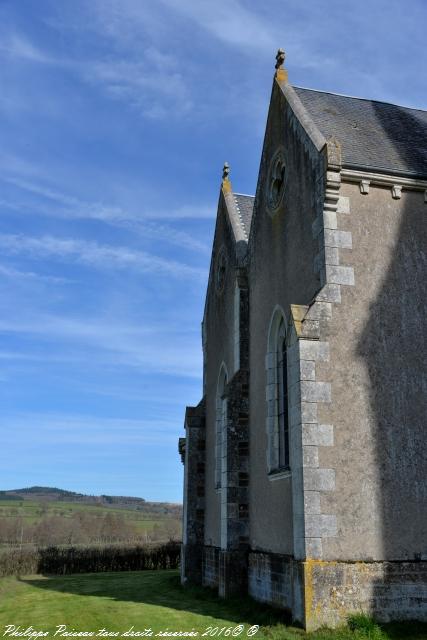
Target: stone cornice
(382,179)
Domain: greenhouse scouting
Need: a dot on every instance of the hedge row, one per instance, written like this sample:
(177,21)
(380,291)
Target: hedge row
(64,560)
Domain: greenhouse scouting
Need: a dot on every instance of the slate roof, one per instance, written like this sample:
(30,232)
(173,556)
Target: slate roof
(374,135)
(245,207)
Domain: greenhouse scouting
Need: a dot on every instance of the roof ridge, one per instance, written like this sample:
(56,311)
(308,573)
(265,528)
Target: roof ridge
(240,214)
(345,95)
(247,195)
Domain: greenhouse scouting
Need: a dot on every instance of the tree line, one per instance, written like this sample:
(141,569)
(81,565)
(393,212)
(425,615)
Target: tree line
(83,528)
(68,560)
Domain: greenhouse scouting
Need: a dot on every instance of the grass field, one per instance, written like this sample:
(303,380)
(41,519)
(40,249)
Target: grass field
(152,600)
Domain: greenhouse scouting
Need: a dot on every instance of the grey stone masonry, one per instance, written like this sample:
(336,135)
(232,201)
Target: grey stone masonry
(385,590)
(310,525)
(210,567)
(270,579)
(194,495)
(235,486)
(305,349)
(235,478)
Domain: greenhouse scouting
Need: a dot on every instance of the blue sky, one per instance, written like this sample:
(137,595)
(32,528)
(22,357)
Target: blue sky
(115,119)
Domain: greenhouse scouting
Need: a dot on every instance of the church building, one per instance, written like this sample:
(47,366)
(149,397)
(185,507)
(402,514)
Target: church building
(305,461)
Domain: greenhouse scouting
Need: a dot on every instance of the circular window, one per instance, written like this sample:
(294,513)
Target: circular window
(221,270)
(276,182)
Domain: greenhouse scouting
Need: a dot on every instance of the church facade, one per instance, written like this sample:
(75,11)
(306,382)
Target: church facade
(305,461)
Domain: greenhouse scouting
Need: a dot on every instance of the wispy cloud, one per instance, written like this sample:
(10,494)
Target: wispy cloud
(19,47)
(16,274)
(137,82)
(111,342)
(92,254)
(60,204)
(231,22)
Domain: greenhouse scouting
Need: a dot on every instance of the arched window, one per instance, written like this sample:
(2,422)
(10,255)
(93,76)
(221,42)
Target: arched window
(221,428)
(278,458)
(282,398)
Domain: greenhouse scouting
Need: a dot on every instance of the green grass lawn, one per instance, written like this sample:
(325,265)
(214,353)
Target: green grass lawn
(152,599)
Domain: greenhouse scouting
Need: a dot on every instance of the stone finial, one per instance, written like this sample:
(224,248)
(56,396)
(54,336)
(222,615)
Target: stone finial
(226,184)
(281,72)
(280,58)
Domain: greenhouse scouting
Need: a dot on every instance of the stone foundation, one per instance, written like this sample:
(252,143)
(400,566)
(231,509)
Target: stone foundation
(385,590)
(318,593)
(233,572)
(210,572)
(191,563)
(270,579)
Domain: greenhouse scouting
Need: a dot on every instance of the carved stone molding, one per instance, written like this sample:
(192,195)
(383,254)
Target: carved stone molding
(364,186)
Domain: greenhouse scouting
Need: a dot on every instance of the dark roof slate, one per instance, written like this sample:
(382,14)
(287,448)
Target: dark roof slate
(245,207)
(375,135)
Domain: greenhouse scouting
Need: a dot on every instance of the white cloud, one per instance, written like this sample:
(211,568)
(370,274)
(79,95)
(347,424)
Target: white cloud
(17,46)
(111,342)
(67,206)
(231,22)
(16,274)
(92,254)
(142,86)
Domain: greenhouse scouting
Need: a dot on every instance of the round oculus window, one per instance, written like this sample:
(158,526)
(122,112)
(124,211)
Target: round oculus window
(276,182)
(221,270)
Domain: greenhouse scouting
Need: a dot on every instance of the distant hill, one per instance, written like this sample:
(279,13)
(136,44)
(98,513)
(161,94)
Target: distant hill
(53,494)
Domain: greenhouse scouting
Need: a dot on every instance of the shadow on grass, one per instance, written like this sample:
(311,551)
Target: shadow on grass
(163,589)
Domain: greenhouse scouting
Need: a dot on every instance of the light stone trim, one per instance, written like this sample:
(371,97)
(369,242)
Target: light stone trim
(278,317)
(396,191)
(309,480)
(239,213)
(364,186)
(221,429)
(235,217)
(382,179)
(236,327)
(339,275)
(317,434)
(280,475)
(302,115)
(338,239)
(343,204)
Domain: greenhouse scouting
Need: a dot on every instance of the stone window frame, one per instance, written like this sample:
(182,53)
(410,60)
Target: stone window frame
(275,175)
(221,428)
(221,268)
(277,337)
(236,323)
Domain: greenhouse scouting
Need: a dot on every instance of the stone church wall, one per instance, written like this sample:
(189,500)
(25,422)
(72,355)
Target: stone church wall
(282,252)
(344,529)
(378,384)
(219,326)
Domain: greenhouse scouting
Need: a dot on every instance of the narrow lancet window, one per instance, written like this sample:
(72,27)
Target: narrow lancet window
(221,429)
(282,402)
(278,452)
